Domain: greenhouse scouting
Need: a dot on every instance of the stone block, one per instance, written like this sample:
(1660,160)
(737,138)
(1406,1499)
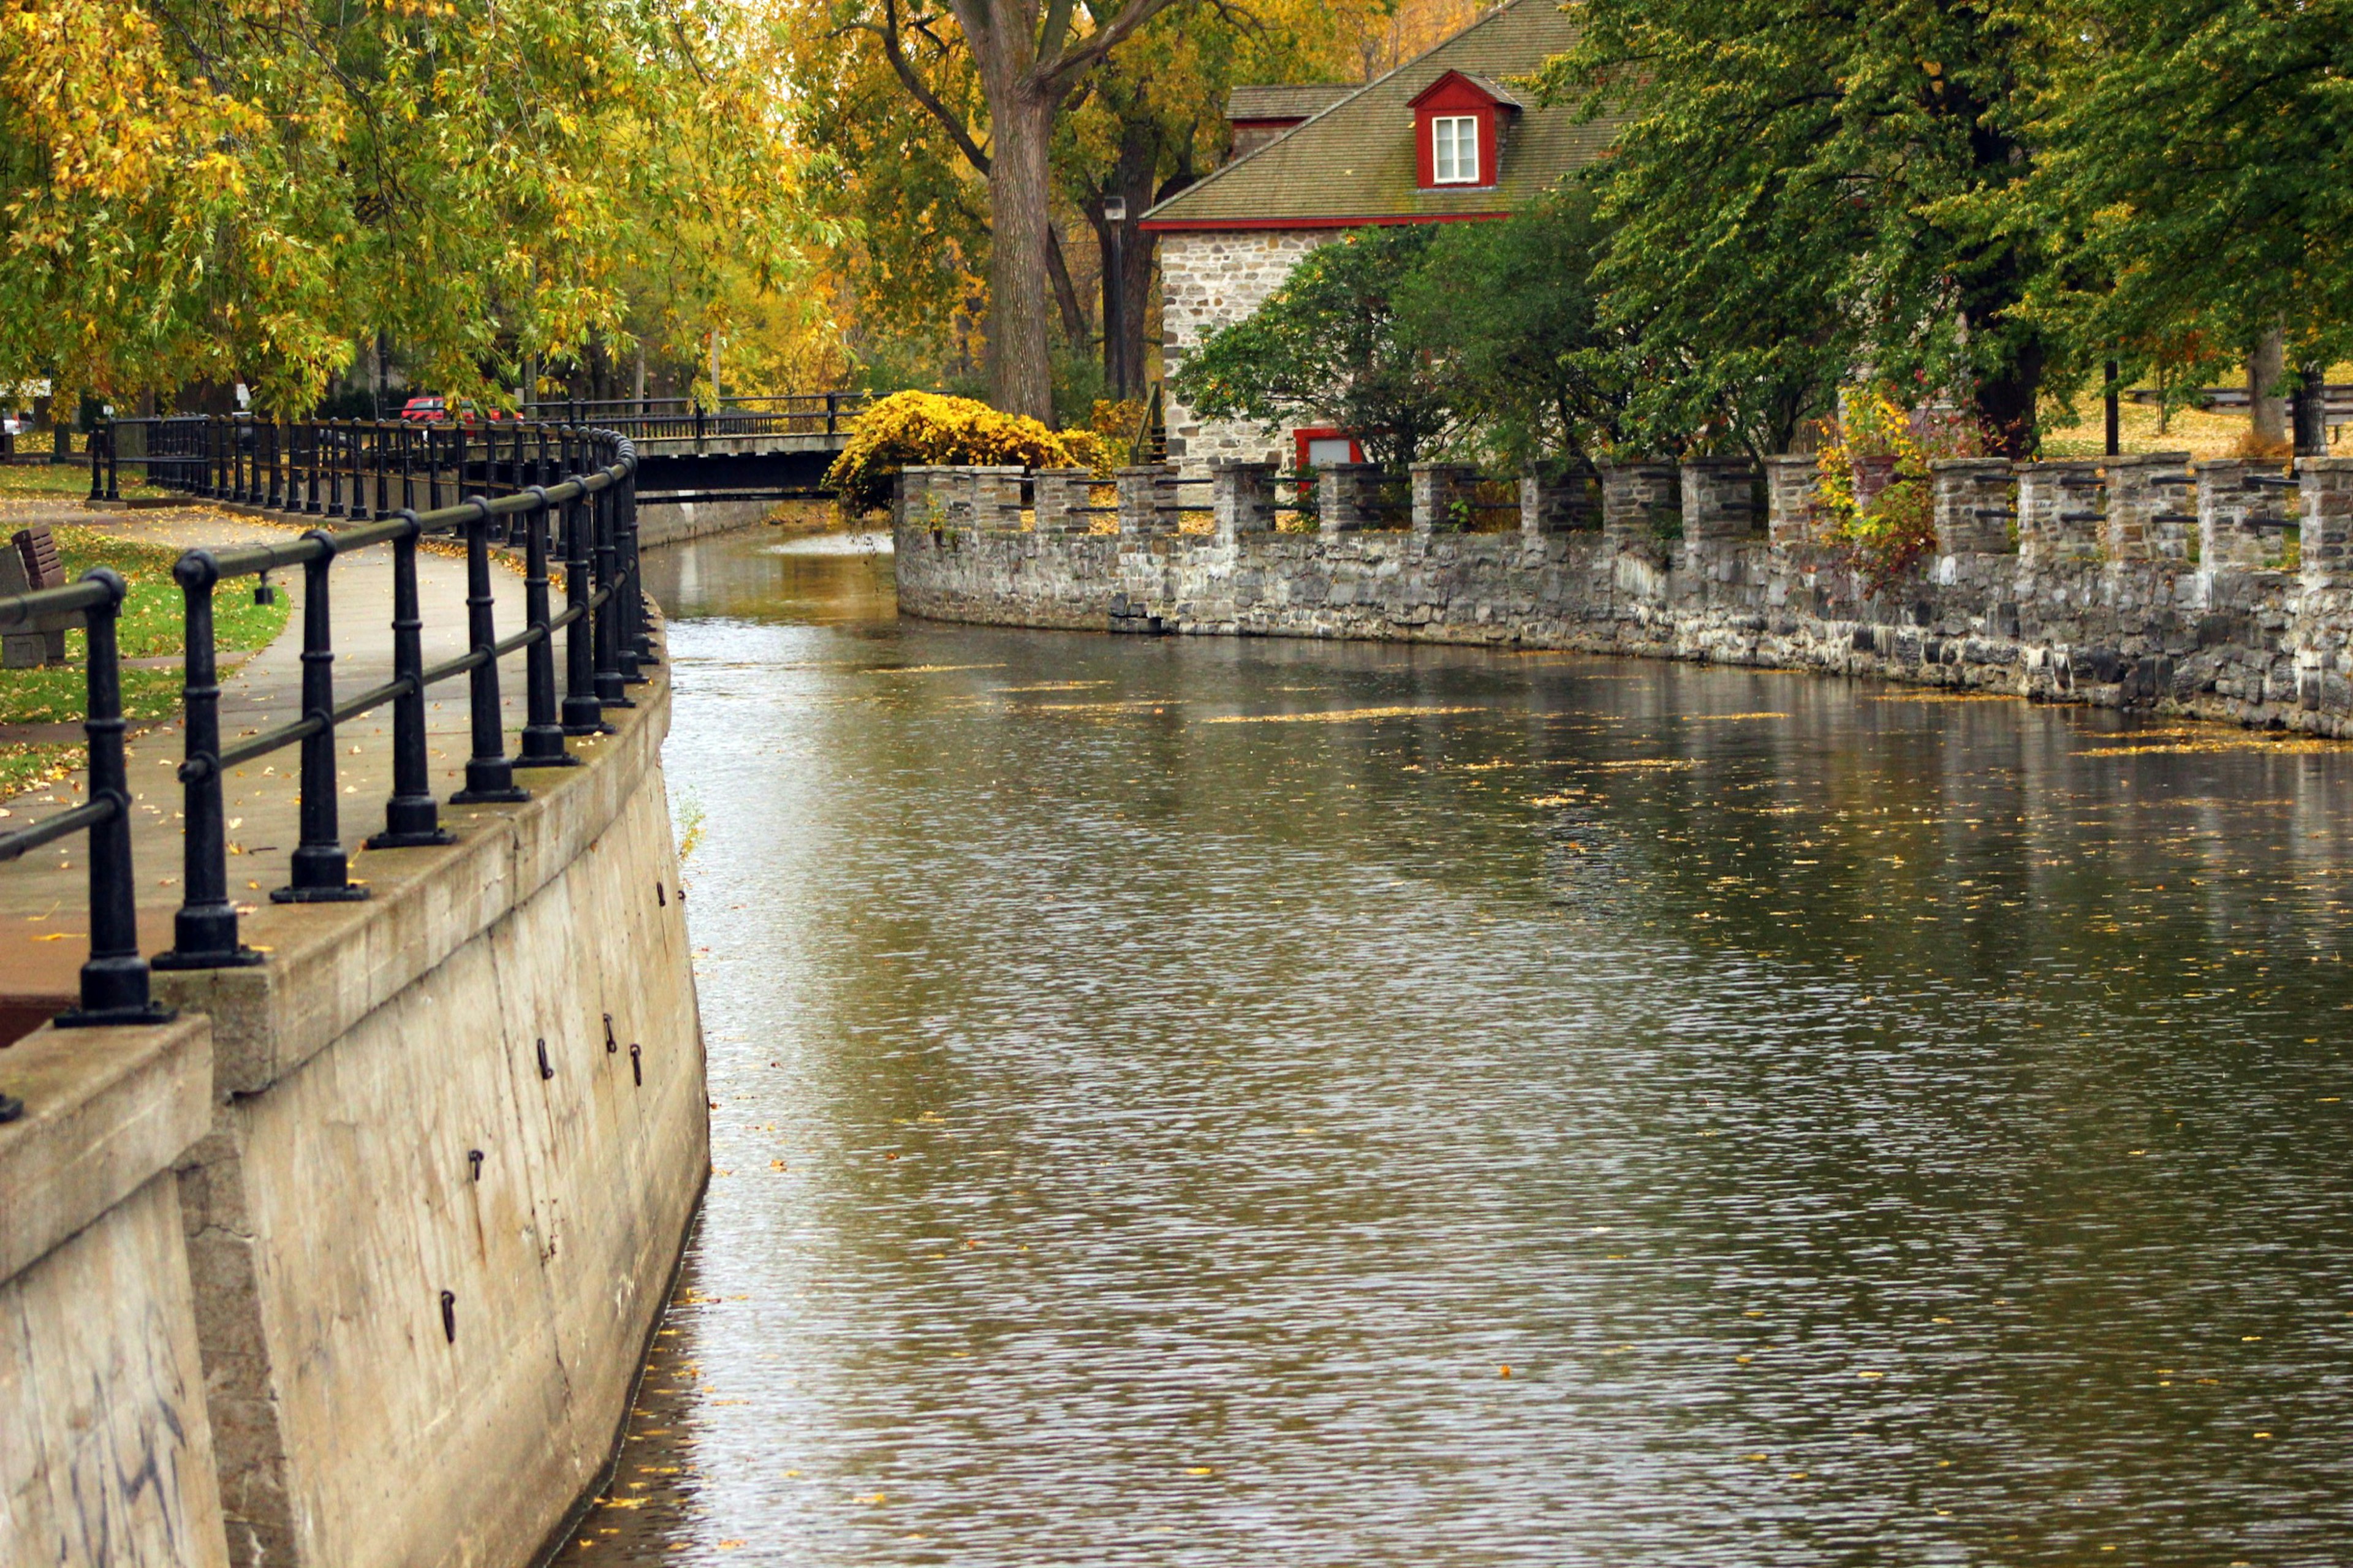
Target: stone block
(1147,500)
(1719,499)
(1973,509)
(996,497)
(1436,488)
(1345,501)
(1642,505)
(2059,517)
(2324,490)
(2148,498)
(1557,506)
(1058,499)
(2241,524)
(1792,489)
(1241,497)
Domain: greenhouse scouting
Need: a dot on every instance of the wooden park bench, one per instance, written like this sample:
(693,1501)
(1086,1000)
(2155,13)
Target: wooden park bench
(31,562)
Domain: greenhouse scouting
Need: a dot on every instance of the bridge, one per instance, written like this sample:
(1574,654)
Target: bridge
(752,449)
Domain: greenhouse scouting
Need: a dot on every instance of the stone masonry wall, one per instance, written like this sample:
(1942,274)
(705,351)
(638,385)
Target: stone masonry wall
(2218,639)
(1208,281)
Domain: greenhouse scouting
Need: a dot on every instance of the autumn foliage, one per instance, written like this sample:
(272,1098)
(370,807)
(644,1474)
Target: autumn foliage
(925,427)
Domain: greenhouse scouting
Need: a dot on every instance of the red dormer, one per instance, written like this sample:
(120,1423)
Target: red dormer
(1458,129)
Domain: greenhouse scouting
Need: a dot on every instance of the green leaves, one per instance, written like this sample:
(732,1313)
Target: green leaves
(2195,154)
(1800,189)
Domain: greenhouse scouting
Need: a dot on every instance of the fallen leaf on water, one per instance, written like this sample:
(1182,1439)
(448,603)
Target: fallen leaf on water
(1336,715)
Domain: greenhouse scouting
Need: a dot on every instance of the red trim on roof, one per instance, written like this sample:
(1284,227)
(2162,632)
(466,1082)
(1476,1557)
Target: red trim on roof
(1458,87)
(1225,225)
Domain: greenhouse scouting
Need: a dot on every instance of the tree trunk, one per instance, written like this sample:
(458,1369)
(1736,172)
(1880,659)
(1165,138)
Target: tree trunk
(1075,327)
(1020,375)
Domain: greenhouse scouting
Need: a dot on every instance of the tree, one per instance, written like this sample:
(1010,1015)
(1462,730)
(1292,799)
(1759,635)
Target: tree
(1510,315)
(1324,349)
(1799,189)
(2193,151)
(247,189)
(892,93)
(1028,55)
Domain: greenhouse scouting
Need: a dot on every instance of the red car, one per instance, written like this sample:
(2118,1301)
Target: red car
(436,411)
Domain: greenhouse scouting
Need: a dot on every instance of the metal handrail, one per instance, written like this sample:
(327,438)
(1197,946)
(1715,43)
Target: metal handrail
(533,482)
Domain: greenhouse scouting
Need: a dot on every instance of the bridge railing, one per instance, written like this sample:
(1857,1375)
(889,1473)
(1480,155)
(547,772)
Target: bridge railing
(686,418)
(566,495)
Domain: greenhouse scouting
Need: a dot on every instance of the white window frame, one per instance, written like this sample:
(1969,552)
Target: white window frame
(1463,131)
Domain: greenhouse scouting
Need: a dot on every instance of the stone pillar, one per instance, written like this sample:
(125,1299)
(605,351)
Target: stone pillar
(1791,484)
(1973,506)
(1342,495)
(1639,504)
(1546,507)
(996,498)
(1241,497)
(2326,484)
(1719,496)
(2231,515)
(2058,520)
(2145,521)
(1873,474)
(1147,497)
(1057,500)
(914,499)
(1436,488)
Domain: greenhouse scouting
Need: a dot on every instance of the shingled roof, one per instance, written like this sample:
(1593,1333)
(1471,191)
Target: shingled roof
(1287,100)
(1355,162)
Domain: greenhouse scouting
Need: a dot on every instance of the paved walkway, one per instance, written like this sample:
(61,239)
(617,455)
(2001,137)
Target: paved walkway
(44,898)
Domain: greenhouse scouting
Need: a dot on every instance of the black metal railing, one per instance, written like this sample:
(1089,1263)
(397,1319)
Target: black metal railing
(685,418)
(559,493)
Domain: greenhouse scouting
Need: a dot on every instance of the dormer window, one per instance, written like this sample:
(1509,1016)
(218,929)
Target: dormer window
(1458,121)
(1454,149)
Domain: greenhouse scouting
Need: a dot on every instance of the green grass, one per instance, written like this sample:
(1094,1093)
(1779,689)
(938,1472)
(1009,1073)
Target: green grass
(151,628)
(62,483)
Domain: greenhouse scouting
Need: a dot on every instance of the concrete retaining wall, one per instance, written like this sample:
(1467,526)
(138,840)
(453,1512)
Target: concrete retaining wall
(2223,637)
(355,1264)
(415,1355)
(674,522)
(106,1448)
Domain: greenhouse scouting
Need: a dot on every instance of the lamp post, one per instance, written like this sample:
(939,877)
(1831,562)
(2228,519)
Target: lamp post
(1114,212)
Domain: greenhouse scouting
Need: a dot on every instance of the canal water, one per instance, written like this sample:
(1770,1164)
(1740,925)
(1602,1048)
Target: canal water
(1208,1101)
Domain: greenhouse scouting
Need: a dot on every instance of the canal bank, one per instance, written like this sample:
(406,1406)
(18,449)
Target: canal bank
(2226,593)
(1164,1083)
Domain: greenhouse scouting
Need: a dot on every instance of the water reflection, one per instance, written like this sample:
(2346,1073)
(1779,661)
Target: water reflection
(1163,1084)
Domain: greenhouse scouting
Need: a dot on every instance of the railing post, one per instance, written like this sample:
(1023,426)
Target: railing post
(609,692)
(832,413)
(204,930)
(405,439)
(334,468)
(377,432)
(321,872)
(412,817)
(432,468)
(490,776)
(313,503)
(114,979)
(102,431)
(543,733)
(636,645)
(582,714)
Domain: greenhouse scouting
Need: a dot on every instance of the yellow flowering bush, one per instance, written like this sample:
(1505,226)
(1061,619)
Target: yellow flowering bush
(926,428)
(1879,439)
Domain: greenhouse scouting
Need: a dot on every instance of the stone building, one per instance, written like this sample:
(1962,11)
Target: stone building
(1444,138)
